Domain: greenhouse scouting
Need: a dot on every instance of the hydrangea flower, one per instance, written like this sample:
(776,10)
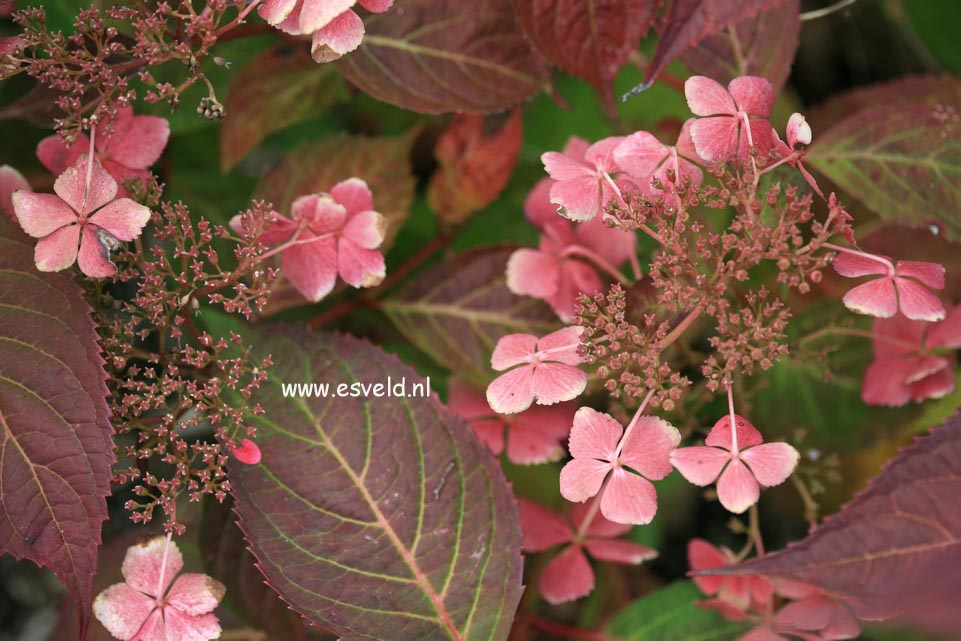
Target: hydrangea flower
(811,615)
(11,180)
(583,178)
(147,607)
(643,157)
(336,29)
(533,436)
(83,214)
(798,136)
(135,143)
(904,368)
(732,594)
(735,119)
(545,370)
(600,456)
(738,460)
(569,575)
(327,235)
(902,286)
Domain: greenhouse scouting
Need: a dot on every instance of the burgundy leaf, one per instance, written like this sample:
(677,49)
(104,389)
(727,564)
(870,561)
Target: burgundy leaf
(436,56)
(590,39)
(380,517)
(686,23)
(55,437)
(761,45)
(887,550)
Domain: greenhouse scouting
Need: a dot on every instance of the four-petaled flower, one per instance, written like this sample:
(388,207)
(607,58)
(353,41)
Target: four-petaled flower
(645,158)
(598,452)
(584,183)
(742,463)
(533,436)
(902,285)
(569,575)
(548,371)
(336,29)
(83,214)
(735,118)
(143,608)
(732,594)
(329,234)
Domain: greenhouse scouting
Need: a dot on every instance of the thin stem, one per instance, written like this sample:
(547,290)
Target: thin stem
(599,261)
(862,333)
(811,507)
(163,566)
(826,11)
(884,261)
(730,409)
(789,158)
(591,513)
(633,424)
(238,20)
(755,530)
(90,155)
(636,267)
(681,327)
(617,191)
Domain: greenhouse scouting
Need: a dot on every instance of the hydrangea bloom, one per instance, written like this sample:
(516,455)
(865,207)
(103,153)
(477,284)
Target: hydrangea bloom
(732,594)
(336,29)
(135,143)
(11,180)
(148,608)
(598,452)
(738,460)
(569,575)
(327,235)
(901,286)
(735,119)
(644,157)
(533,436)
(84,214)
(583,176)
(904,368)
(548,370)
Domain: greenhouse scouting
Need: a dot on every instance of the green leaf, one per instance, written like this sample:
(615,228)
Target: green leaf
(670,615)
(936,23)
(381,517)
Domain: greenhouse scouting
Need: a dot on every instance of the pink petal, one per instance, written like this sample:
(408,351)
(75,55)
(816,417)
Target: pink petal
(582,478)
(185,627)
(122,610)
(490,431)
(360,267)
(762,136)
(798,131)
(924,366)
(276,11)
(533,273)
(556,382)
(917,303)
(684,171)
(317,14)
(71,186)
(720,434)
(874,298)
(322,213)
(715,138)
(601,153)
(538,208)
(853,266)
(619,551)
(885,382)
(563,345)
(616,245)
(123,175)
(154,628)
(562,167)
(762,633)
(41,214)
(543,528)
(247,452)
(513,349)
(931,274)
(946,333)
(376,6)
(466,401)
(354,195)
(58,250)
(737,489)
(809,614)
(511,392)
(753,95)
(599,528)
(701,555)
(576,148)
(56,156)
(11,180)
(195,594)
(790,589)
(629,498)
(94,256)
(843,624)
(578,199)
(575,278)
(340,36)
(567,577)
(772,463)
(727,610)
(312,267)
(700,465)
(137,142)
(706,97)
(647,449)
(123,218)
(141,565)
(535,435)
(937,385)
(640,154)
(594,435)
(887,334)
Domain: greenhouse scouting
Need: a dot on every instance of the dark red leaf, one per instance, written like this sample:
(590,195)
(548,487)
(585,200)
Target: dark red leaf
(686,23)
(475,164)
(436,56)
(381,517)
(590,39)
(55,437)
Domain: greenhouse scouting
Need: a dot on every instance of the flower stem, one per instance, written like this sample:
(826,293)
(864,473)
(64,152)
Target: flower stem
(730,409)
(681,327)
(598,261)
(163,566)
(89,181)
(755,530)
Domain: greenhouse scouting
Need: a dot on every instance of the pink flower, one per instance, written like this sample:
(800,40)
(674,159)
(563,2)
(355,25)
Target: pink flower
(80,214)
(736,117)
(733,595)
(812,615)
(335,27)
(741,464)
(329,234)
(584,184)
(903,286)
(548,371)
(569,575)
(135,143)
(247,452)
(143,608)
(644,157)
(798,136)
(904,368)
(598,453)
(533,436)
(11,180)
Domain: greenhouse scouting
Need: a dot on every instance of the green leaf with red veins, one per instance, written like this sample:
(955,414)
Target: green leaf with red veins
(590,39)
(381,517)
(279,88)
(56,444)
(456,311)
(436,56)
